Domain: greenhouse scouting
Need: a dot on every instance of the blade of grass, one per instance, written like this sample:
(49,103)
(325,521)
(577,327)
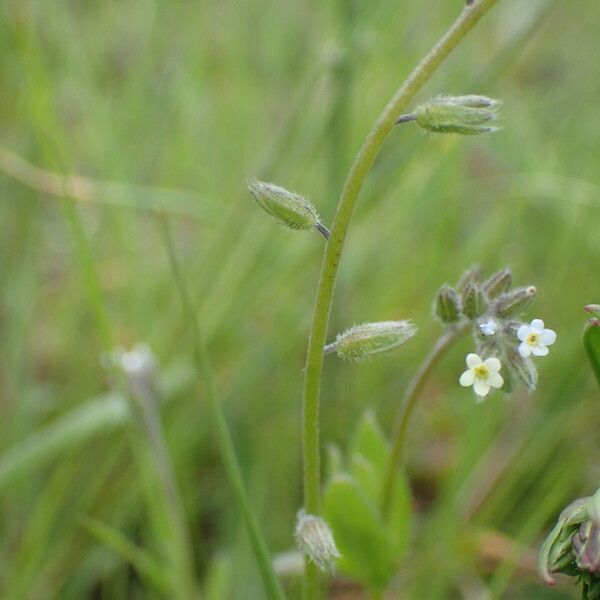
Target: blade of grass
(146,565)
(272,586)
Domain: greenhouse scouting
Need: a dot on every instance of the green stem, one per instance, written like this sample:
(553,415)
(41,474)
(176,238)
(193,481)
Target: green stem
(145,405)
(272,586)
(333,252)
(413,391)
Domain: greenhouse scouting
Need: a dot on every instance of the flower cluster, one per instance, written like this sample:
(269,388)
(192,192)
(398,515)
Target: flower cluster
(573,546)
(504,344)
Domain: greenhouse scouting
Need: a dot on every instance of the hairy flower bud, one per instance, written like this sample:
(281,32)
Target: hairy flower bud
(467,115)
(593,309)
(473,301)
(139,368)
(586,547)
(447,305)
(556,551)
(522,368)
(498,283)
(289,209)
(515,301)
(472,274)
(361,341)
(314,538)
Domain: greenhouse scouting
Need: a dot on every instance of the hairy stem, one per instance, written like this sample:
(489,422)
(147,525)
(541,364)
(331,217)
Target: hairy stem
(333,252)
(407,407)
(273,590)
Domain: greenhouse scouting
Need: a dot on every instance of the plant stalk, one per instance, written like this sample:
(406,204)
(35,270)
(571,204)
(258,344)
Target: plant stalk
(409,402)
(333,253)
(273,589)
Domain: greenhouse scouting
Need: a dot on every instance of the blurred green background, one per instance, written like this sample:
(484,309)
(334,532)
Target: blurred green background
(171,106)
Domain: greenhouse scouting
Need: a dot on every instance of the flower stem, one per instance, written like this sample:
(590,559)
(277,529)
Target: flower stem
(333,253)
(407,407)
(273,590)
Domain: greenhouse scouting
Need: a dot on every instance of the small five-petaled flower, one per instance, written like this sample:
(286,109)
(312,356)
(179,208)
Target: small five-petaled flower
(489,328)
(535,339)
(482,374)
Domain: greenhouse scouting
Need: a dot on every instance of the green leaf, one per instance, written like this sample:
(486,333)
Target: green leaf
(368,441)
(334,461)
(591,342)
(148,568)
(368,480)
(364,540)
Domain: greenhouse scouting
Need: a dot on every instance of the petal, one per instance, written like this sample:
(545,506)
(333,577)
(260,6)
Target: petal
(481,387)
(495,380)
(548,337)
(493,364)
(523,332)
(539,350)
(473,360)
(525,350)
(537,325)
(467,378)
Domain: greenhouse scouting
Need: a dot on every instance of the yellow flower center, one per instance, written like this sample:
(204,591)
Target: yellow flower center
(532,338)
(481,372)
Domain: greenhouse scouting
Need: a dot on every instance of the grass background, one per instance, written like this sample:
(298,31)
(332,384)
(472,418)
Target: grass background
(172,106)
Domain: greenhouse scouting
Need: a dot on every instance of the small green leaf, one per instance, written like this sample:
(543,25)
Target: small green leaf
(368,479)
(369,455)
(334,461)
(591,341)
(368,440)
(364,540)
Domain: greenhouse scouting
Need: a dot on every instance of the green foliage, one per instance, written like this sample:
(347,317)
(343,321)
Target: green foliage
(172,106)
(591,342)
(371,548)
(148,568)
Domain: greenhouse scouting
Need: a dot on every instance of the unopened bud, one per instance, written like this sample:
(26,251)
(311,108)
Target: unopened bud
(515,301)
(139,368)
(467,115)
(314,538)
(289,209)
(593,309)
(556,551)
(498,283)
(472,274)
(447,305)
(522,368)
(361,341)
(586,547)
(473,301)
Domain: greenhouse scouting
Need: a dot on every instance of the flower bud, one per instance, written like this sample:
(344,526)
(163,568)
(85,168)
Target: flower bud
(522,368)
(473,301)
(361,341)
(467,115)
(447,305)
(498,283)
(593,309)
(314,538)
(586,547)
(288,208)
(556,551)
(473,274)
(514,302)
(139,368)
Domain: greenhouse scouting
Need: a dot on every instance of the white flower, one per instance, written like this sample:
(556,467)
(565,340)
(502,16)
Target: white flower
(137,362)
(489,328)
(535,339)
(482,374)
